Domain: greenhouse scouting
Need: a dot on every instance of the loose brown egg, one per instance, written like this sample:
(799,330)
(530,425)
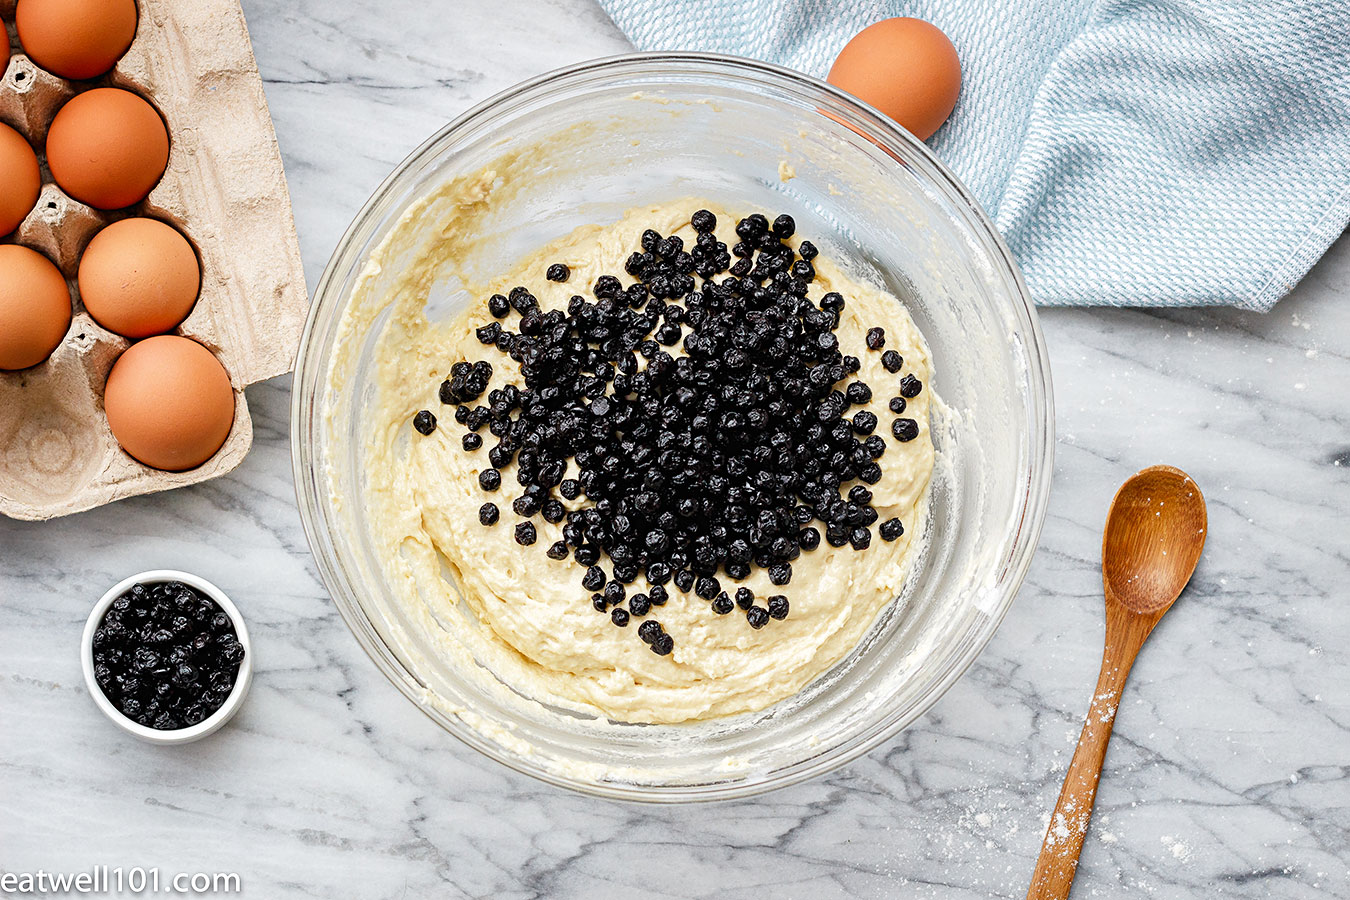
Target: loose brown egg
(107,148)
(20,179)
(139,277)
(904,67)
(169,402)
(34,307)
(76,38)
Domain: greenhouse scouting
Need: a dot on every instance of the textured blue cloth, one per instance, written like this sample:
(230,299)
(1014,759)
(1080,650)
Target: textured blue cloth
(1132,152)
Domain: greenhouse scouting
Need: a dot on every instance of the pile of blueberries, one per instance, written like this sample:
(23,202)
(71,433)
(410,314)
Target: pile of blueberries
(166,655)
(735,454)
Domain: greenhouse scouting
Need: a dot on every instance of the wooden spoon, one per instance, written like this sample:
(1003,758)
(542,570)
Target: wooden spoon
(1152,542)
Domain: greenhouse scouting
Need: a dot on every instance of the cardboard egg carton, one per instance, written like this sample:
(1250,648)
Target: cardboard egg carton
(224,189)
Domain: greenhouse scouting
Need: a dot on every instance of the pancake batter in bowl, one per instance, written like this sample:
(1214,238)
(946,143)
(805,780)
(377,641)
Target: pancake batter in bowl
(526,618)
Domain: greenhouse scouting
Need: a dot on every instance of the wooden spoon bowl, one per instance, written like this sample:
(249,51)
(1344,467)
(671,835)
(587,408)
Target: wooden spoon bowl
(1153,538)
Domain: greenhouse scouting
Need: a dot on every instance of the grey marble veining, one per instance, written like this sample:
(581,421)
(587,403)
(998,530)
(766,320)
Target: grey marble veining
(1229,775)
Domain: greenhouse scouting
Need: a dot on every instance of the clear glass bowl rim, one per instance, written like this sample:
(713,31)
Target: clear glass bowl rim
(309,375)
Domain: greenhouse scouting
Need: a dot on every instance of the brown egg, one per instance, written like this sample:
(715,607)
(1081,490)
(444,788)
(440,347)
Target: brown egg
(169,402)
(139,277)
(906,68)
(20,179)
(34,307)
(107,148)
(76,38)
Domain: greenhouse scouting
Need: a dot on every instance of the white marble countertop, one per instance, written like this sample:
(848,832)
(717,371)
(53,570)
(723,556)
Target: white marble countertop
(1229,775)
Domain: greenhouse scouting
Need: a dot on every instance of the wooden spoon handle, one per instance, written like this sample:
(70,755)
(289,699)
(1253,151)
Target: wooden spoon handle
(1068,823)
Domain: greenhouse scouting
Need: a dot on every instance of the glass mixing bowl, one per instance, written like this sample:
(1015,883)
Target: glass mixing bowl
(612,134)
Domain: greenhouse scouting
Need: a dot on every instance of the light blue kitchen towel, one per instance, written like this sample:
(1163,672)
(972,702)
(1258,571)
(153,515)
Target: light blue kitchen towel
(1132,152)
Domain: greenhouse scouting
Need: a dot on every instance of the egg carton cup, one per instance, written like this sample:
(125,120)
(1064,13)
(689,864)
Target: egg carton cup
(224,189)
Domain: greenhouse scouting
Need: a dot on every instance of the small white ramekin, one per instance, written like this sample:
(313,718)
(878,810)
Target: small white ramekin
(208,725)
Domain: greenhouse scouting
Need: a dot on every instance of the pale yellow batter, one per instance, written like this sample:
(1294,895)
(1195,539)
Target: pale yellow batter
(530,622)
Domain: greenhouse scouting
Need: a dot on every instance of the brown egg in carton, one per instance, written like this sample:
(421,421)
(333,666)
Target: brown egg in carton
(224,189)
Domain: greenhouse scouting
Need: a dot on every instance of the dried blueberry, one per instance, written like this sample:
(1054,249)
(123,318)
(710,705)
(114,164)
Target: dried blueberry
(905,429)
(424,422)
(488,333)
(860,538)
(488,514)
(858,392)
(808,538)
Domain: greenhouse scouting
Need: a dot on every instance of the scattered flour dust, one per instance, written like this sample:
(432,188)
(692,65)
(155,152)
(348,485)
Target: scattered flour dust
(987,828)
(1179,849)
(979,822)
